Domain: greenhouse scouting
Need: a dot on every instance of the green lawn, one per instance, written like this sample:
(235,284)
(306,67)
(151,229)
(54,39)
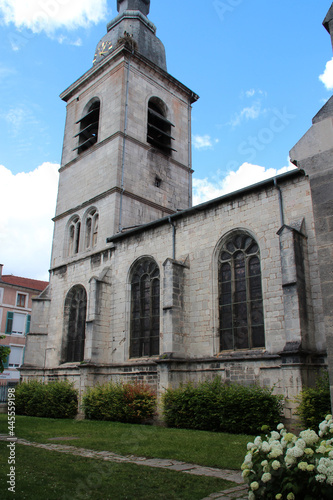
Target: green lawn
(48,475)
(199,447)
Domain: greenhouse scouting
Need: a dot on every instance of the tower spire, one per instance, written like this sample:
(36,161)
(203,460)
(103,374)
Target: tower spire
(328,22)
(140,5)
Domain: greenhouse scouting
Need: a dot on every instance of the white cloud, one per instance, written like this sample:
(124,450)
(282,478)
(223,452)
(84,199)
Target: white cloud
(50,15)
(248,113)
(250,93)
(27,205)
(327,76)
(247,174)
(203,141)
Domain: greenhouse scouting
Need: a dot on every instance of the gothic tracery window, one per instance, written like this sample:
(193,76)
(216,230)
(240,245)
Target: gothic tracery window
(240,294)
(75,324)
(91,228)
(145,309)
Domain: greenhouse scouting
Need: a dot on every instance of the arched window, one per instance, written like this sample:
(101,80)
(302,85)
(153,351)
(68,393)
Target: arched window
(74,231)
(91,229)
(75,324)
(89,123)
(240,294)
(159,128)
(145,309)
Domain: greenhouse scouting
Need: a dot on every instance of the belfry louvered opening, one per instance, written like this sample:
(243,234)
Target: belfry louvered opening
(159,128)
(88,134)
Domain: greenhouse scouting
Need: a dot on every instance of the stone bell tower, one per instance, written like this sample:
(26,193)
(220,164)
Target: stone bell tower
(127,141)
(126,162)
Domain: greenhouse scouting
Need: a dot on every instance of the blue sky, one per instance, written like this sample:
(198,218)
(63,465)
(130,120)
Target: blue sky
(254,63)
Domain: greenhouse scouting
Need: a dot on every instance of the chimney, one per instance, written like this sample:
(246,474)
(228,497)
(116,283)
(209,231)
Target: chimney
(328,22)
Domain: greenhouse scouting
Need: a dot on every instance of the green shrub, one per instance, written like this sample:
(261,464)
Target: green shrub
(314,403)
(215,406)
(132,402)
(53,400)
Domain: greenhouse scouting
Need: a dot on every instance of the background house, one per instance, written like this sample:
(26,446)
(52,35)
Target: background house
(16,296)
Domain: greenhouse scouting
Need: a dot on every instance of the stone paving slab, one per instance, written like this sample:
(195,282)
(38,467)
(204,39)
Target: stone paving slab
(237,493)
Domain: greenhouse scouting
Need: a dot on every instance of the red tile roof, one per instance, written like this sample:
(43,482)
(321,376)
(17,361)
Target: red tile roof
(24,282)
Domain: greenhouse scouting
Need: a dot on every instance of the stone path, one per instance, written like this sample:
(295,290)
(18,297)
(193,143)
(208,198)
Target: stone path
(237,493)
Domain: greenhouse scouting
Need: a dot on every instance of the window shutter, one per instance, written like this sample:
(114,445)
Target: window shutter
(9,322)
(6,362)
(27,329)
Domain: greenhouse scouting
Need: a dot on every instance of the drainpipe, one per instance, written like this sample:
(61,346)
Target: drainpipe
(280,201)
(189,155)
(171,222)
(124,146)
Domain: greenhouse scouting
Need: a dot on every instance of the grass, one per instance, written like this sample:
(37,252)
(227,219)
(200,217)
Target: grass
(56,476)
(209,449)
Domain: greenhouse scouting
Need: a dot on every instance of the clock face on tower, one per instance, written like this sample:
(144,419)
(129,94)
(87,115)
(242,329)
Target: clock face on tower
(103,49)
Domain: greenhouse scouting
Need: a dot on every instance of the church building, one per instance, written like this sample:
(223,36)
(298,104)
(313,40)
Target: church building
(144,286)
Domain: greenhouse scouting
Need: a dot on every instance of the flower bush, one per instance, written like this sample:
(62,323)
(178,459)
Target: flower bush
(282,466)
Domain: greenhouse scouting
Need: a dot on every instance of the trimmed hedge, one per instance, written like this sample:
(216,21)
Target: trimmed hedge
(52,400)
(214,406)
(131,402)
(314,403)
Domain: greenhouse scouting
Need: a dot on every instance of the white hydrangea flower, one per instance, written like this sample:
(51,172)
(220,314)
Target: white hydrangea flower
(296,452)
(254,486)
(251,495)
(289,460)
(310,467)
(276,451)
(276,465)
(320,478)
(303,466)
(280,427)
(258,442)
(310,437)
(309,452)
(266,477)
(250,446)
(265,447)
(274,436)
(300,443)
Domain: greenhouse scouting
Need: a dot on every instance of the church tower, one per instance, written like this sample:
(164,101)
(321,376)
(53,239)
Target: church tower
(127,145)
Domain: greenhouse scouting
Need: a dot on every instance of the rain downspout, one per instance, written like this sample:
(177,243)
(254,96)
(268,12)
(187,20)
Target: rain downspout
(280,201)
(189,156)
(124,146)
(173,238)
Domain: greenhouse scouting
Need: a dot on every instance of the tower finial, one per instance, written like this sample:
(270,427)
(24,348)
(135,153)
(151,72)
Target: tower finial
(328,22)
(141,5)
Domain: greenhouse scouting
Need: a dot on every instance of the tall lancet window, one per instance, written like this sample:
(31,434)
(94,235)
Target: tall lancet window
(240,294)
(75,324)
(74,231)
(145,309)
(91,228)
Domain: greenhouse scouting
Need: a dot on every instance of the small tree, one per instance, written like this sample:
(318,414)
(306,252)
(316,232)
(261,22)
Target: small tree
(4,353)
